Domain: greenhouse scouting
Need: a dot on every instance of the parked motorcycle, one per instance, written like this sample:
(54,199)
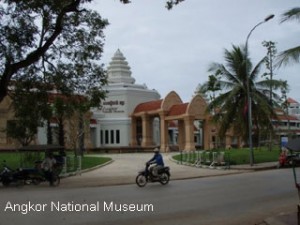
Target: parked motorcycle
(146,175)
(36,175)
(23,176)
(9,176)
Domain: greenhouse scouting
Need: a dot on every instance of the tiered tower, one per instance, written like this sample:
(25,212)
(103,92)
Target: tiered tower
(113,121)
(118,70)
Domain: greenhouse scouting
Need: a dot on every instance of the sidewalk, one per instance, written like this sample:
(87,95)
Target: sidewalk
(124,167)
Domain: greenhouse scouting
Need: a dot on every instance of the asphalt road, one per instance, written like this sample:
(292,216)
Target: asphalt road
(246,198)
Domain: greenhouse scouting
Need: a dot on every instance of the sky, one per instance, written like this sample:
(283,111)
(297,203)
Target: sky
(172,50)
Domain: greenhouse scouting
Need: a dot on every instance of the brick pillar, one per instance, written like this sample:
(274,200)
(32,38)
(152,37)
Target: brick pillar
(147,131)
(181,135)
(206,134)
(163,132)
(189,133)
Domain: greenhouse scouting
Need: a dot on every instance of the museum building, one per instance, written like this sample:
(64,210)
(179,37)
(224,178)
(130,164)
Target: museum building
(111,124)
(133,115)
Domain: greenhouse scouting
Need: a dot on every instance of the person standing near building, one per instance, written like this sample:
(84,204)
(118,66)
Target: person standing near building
(47,166)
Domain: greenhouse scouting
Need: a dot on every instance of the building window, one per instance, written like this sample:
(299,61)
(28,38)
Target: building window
(118,136)
(195,139)
(106,137)
(112,138)
(101,137)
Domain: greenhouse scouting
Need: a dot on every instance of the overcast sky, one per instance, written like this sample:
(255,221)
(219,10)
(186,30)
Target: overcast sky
(172,50)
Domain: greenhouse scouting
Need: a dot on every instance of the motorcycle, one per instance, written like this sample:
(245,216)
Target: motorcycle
(23,176)
(37,175)
(9,176)
(146,175)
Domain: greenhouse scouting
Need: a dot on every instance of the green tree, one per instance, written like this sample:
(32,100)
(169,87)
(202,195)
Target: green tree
(31,110)
(269,62)
(292,54)
(64,108)
(285,106)
(55,42)
(231,104)
(212,86)
(46,46)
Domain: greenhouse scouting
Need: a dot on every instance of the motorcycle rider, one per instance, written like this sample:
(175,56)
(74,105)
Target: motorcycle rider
(157,159)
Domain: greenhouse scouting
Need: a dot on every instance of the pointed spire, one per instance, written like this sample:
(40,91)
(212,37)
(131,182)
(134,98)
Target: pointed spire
(118,70)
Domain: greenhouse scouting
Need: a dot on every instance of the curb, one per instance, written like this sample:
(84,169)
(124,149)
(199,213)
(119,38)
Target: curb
(85,170)
(255,168)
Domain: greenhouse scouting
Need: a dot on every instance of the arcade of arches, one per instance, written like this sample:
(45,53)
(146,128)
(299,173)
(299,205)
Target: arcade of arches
(169,109)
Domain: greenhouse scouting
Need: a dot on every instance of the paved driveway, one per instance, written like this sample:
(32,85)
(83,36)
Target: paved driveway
(124,167)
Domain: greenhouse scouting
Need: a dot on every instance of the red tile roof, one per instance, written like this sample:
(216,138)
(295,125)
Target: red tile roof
(286,117)
(148,106)
(290,100)
(72,98)
(178,109)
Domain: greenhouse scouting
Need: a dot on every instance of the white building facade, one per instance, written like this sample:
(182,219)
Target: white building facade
(112,122)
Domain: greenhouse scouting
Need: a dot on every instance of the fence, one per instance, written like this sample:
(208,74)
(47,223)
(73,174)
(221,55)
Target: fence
(205,159)
(72,165)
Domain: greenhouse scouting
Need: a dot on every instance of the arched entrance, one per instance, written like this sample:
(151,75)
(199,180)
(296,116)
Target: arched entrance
(169,109)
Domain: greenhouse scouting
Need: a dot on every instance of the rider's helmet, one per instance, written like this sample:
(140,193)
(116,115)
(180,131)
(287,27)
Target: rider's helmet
(156,150)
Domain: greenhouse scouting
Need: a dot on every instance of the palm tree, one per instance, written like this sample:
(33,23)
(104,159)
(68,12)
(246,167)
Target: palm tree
(232,103)
(292,54)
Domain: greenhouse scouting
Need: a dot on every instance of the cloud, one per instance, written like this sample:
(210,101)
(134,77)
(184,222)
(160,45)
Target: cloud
(171,50)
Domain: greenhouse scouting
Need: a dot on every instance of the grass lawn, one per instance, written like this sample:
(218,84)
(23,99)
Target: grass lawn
(92,161)
(242,156)
(13,160)
(239,156)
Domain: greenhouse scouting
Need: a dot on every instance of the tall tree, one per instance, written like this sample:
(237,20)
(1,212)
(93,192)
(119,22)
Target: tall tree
(212,86)
(292,54)
(269,61)
(68,108)
(232,103)
(46,46)
(53,42)
(30,111)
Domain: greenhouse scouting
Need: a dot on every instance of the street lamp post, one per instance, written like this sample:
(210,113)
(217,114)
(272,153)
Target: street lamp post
(248,90)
